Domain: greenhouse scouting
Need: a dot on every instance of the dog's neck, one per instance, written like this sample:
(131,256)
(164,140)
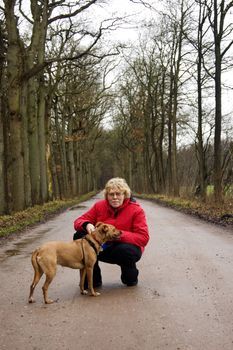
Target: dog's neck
(93,241)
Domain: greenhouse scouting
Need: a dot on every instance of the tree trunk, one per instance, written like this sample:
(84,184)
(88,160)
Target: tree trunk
(33,139)
(200,146)
(169,125)
(218,122)
(36,104)
(3,204)
(14,72)
(54,176)
(27,178)
(42,143)
(2,165)
(78,167)
(161,136)
(71,160)
(60,158)
(218,110)
(41,108)
(64,165)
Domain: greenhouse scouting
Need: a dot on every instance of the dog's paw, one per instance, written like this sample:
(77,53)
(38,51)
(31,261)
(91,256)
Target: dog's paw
(31,300)
(49,301)
(84,292)
(95,294)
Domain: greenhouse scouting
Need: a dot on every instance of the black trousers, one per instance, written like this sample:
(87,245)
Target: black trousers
(123,254)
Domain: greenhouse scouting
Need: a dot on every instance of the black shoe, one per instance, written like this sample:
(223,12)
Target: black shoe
(129,283)
(97,284)
(129,276)
(132,284)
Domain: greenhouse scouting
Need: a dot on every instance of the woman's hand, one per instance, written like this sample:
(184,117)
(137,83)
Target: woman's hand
(90,228)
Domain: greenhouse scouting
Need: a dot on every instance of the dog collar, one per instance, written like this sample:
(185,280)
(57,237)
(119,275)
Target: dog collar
(91,244)
(94,237)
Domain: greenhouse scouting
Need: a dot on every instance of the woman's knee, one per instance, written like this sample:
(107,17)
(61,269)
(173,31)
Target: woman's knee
(127,253)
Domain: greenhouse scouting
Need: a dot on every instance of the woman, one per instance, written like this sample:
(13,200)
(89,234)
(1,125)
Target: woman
(122,211)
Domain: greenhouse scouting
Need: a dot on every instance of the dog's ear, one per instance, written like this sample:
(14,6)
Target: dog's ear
(104,228)
(99,223)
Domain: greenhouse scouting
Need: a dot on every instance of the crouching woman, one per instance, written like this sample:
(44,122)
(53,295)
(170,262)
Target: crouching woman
(121,210)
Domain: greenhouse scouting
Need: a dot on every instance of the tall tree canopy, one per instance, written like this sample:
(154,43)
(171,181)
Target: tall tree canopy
(63,77)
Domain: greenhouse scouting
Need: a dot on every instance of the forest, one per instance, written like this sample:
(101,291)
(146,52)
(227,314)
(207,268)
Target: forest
(77,109)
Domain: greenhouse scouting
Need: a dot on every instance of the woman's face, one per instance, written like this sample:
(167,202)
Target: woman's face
(115,197)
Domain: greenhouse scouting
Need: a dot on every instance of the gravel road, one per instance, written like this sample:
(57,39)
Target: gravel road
(184,299)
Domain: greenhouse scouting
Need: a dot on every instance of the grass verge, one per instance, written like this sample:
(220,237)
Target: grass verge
(216,213)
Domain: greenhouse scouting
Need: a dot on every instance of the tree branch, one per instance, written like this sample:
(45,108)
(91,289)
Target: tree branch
(72,14)
(226,49)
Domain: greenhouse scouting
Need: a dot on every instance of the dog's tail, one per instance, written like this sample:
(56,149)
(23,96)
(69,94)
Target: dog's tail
(38,272)
(34,261)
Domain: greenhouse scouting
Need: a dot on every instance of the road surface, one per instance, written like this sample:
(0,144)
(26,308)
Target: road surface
(184,299)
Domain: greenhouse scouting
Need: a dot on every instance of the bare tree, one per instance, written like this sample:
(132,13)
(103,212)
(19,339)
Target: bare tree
(28,102)
(222,42)
(177,20)
(197,40)
(3,202)
(14,71)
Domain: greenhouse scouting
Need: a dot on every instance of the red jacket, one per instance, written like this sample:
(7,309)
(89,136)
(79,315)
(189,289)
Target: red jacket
(129,218)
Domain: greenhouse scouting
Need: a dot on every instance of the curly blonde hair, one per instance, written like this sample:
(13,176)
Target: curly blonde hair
(120,184)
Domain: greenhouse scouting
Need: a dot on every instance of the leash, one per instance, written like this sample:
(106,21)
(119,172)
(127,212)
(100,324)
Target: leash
(91,244)
(94,237)
(83,251)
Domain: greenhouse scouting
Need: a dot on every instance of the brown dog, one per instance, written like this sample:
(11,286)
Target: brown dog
(80,254)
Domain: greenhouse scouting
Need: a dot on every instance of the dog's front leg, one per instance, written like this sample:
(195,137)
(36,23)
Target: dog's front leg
(90,281)
(82,279)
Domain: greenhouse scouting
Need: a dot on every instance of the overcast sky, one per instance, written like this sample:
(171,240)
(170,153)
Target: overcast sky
(135,13)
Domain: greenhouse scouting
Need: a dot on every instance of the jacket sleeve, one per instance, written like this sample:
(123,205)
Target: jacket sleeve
(139,234)
(88,217)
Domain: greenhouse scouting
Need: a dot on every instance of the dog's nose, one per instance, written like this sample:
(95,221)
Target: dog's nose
(117,234)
